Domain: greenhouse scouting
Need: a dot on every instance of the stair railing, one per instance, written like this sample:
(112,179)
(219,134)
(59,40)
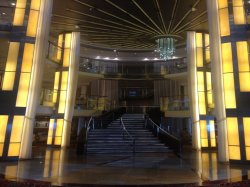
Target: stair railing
(126,133)
(170,140)
(88,127)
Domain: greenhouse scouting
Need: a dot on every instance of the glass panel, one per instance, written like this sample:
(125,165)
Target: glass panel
(32,23)
(23,90)
(224,22)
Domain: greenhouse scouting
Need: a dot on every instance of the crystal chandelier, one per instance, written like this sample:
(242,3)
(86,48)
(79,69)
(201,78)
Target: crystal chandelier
(166,47)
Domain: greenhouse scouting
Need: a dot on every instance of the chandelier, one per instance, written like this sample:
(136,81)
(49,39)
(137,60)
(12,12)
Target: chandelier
(165,46)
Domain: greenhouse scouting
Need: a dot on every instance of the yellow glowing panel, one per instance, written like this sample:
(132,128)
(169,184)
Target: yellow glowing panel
(209,81)
(202,103)
(1,149)
(59,127)
(3,126)
(17,128)
(23,90)
(49,141)
(227,57)
(10,69)
(208,57)
(246,124)
(204,142)
(8,81)
(212,129)
(66,58)
(234,152)
(35,4)
(207,40)
(224,22)
(199,57)
(244,81)
(242,55)
(19,17)
(200,81)
(237,2)
(68,40)
(32,23)
(21,3)
(213,143)
(222,3)
(60,45)
(56,86)
(239,15)
(232,131)
(248,153)
(64,82)
(58,141)
(51,127)
(62,102)
(14,149)
(12,56)
(60,40)
(203,127)
(27,57)
(199,40)
(229,90)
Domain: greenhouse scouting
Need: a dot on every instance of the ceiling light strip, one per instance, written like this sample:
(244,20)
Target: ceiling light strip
(119,8)
(160,14)
(141,9)
(197,24)
(185,16)
(173,15)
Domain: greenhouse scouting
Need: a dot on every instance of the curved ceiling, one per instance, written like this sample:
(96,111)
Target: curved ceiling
(128,24)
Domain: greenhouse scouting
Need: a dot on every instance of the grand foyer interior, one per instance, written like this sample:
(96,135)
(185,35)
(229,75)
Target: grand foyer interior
(91,77)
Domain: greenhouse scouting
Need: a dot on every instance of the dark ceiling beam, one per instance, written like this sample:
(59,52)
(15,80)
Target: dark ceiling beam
(185,16)
(161,17)
(192,21)
(132,16)
(109,21)
(143,11)
(114,16)
(176,3)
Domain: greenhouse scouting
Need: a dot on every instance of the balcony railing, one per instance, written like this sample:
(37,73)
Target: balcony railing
(54,52)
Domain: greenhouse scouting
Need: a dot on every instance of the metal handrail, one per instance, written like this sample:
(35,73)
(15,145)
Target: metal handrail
(87,131)
(162,130)
(123,127)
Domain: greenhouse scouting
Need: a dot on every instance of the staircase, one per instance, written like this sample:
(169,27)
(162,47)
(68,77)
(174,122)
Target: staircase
(111,141)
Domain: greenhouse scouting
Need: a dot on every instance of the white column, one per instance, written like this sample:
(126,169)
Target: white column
(193,90)
(36,77)
(217,79)
(72,87)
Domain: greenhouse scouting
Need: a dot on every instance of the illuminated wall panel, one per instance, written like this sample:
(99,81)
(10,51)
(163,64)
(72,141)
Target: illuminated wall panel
(222,4)
(11,64)
(212,133)
(35,5)
(201,93)
(59,130)
(32,23)
(233,138)
(50,133)
(24,83)
(19,13)
(199,57)
(63,92)
(243,65)
(3,126)
(204,135)
(60,45)
(224,22)
(246,125)
(210,101)
(239,13)
(67,46)
(16,135)
(56,86)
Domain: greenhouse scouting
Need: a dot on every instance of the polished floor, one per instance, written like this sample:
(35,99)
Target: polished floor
(64,166)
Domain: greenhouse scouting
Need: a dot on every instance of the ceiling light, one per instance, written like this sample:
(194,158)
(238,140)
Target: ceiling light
(156,59)
(4,13)
(166,46)
(106,58)
(115,50)
(98,57)
(145,59)
(116,58)
(12,4)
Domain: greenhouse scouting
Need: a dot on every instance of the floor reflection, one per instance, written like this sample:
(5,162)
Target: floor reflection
(64,166)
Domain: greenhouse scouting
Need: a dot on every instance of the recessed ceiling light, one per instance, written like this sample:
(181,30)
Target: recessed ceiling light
(13,4)
(98,57)
(116,58)
(4,13)
(145,59)
(156,59)
(115,50)
(106,58)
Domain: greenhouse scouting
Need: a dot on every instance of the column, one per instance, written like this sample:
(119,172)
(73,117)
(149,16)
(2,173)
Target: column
(200,90)
(22,80)
(65,86)
(231,77)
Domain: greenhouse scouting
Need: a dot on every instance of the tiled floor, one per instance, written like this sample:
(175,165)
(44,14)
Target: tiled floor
(60,166)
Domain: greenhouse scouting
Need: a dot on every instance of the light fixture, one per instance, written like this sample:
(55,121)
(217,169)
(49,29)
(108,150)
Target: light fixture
(145,59)
(13,4)
(166,46)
